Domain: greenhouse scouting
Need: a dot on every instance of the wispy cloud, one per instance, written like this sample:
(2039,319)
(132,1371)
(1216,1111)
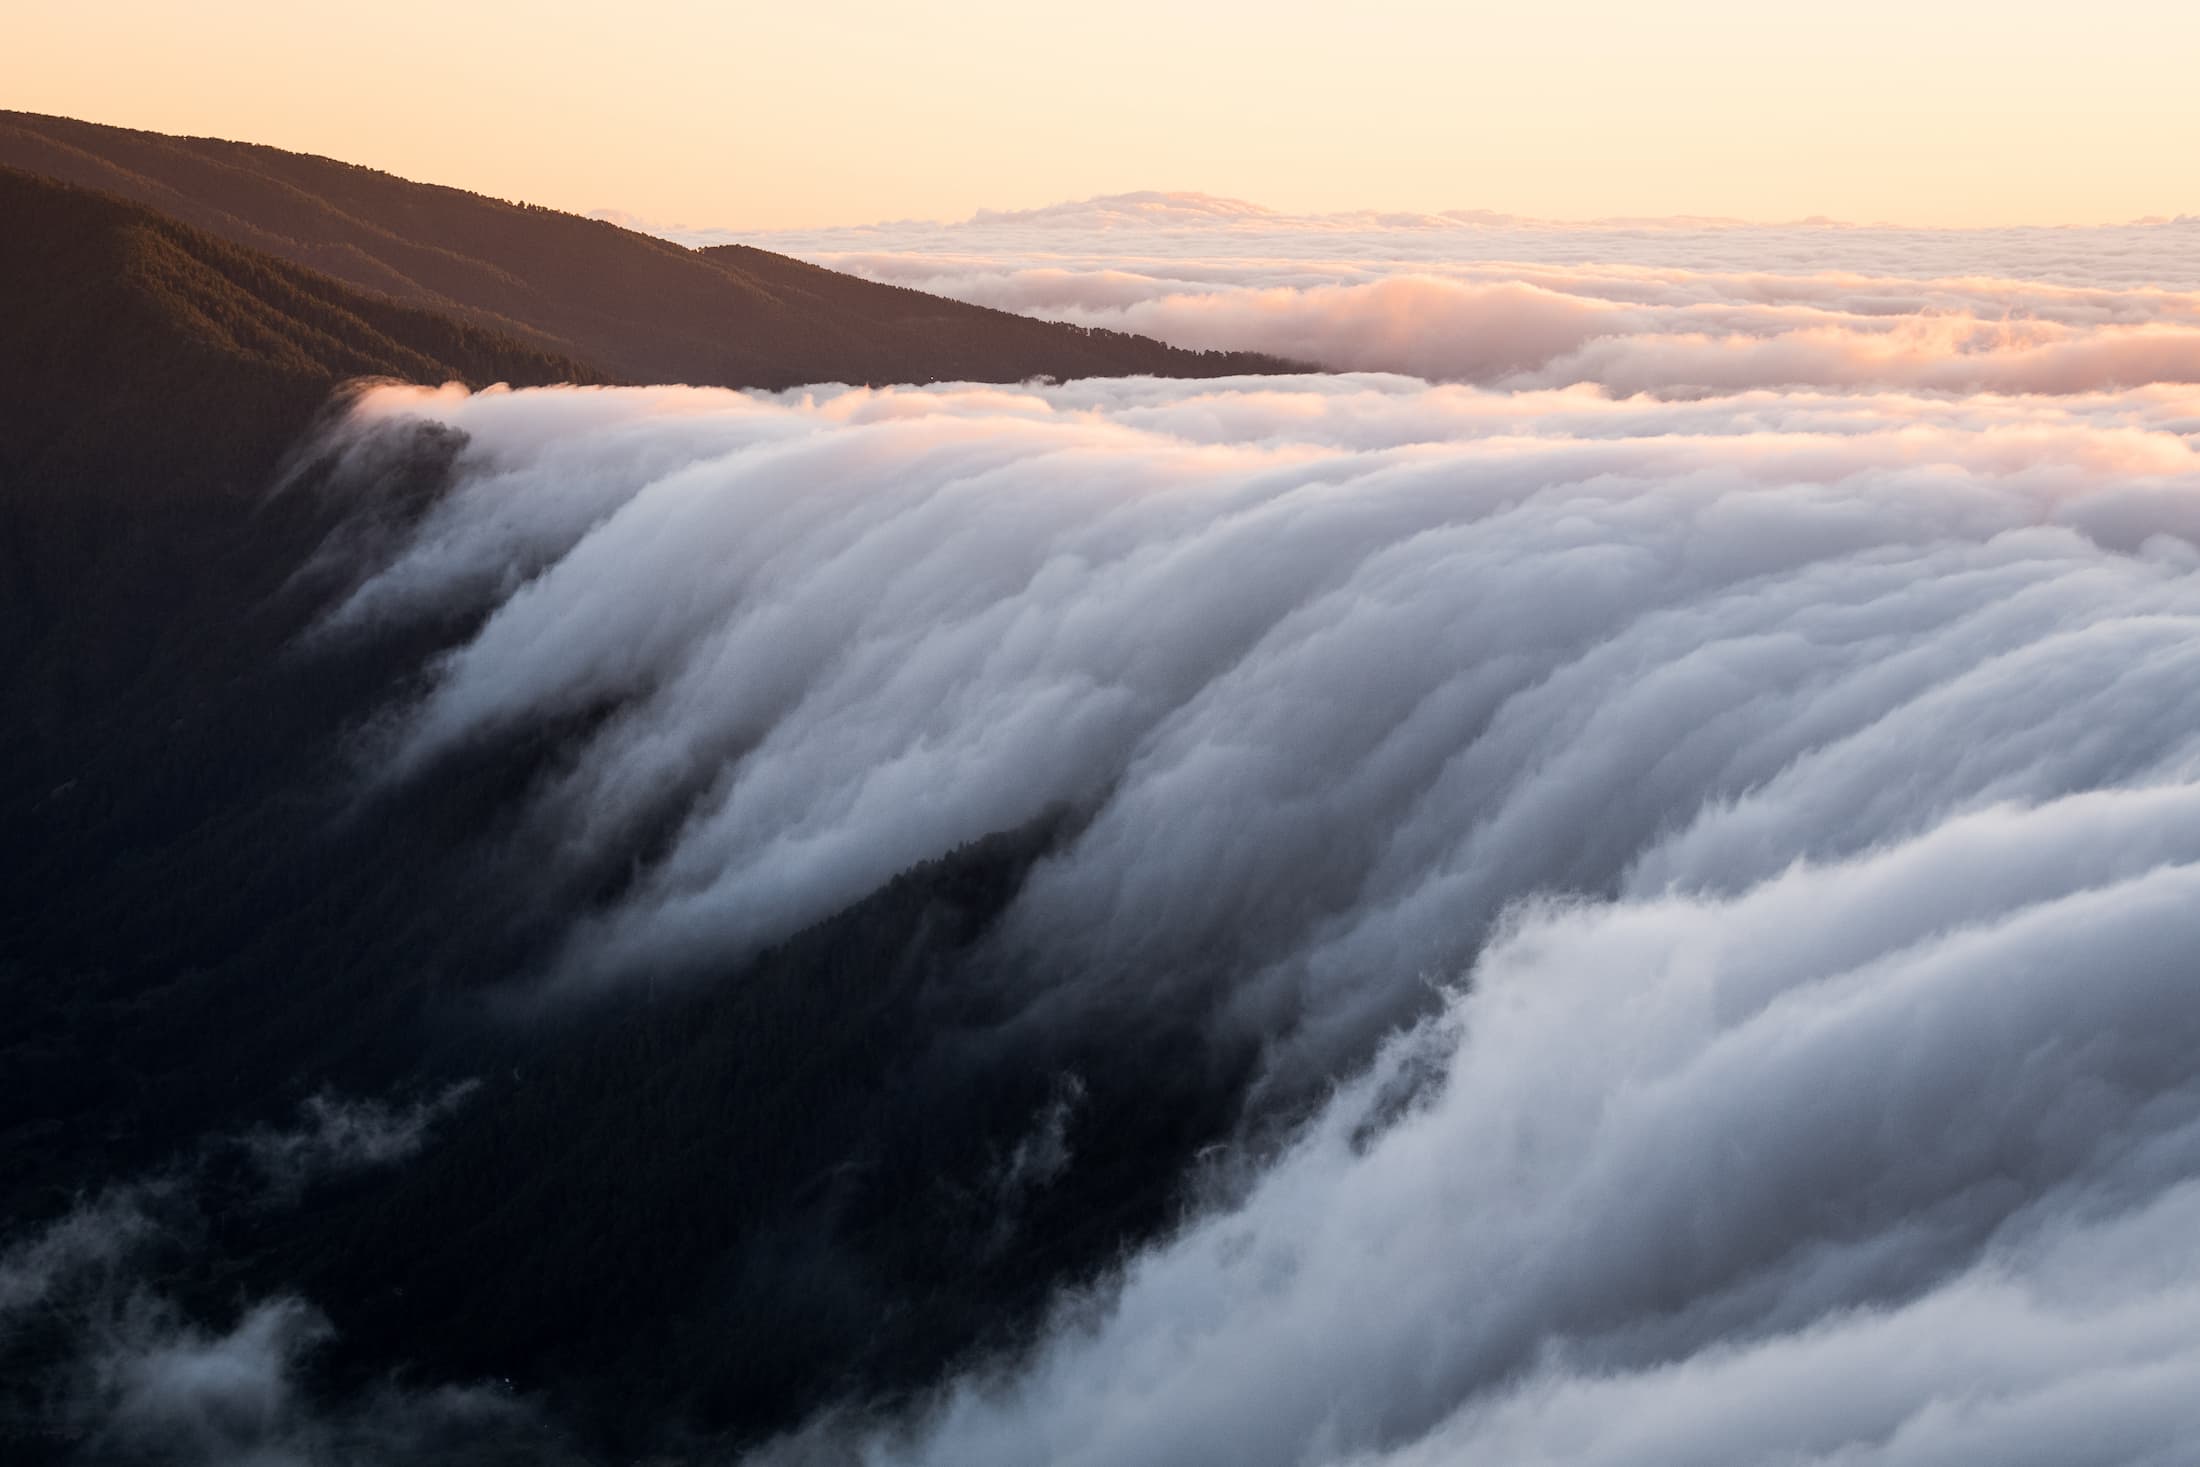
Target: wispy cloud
(335,1136)
(103,1358)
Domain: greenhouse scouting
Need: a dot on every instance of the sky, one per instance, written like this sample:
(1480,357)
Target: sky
(1926,112)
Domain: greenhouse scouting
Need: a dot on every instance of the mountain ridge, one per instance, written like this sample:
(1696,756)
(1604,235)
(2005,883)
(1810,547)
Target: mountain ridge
(633,306)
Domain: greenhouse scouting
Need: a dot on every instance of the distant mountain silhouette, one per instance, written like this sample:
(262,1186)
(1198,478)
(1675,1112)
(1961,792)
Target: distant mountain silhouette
(637,307)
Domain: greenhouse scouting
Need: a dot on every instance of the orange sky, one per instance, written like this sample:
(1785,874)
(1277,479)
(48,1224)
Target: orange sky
(751,115)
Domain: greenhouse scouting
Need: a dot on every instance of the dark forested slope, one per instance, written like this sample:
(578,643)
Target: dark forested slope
(152,377)
(639,307)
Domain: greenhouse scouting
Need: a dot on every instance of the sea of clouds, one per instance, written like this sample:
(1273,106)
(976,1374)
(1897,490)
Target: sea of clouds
(1715,875)
(1668,306)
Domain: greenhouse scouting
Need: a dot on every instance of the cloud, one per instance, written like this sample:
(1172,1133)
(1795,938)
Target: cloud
(153,1387)
(102,1359)
(159,1389)
(95,1238)
(1668,306)
(336,1136)
(1712,880)
(1887,1159)
(909,619)
(157,1383)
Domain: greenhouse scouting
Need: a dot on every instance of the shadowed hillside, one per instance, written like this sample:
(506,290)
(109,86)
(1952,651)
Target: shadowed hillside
(152,378)
(640,308)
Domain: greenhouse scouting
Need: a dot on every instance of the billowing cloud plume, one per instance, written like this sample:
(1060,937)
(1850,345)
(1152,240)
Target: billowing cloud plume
(1875,1162)
(907,620)
(1668,306)
(1720,875)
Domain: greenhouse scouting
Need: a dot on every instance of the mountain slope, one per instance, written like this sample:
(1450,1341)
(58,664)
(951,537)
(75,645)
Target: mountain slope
(151,379)
(641,308)
(137,336)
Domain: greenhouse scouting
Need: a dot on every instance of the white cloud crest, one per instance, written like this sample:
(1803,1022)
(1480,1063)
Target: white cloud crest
(1805,787)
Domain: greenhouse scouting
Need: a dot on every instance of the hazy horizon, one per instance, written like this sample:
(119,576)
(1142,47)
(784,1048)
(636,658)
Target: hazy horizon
(1960,113)
(1462,215)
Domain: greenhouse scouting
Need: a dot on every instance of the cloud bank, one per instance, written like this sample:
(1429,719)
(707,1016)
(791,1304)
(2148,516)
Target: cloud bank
(1671,306)
(1887,1160)
(1714,880)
